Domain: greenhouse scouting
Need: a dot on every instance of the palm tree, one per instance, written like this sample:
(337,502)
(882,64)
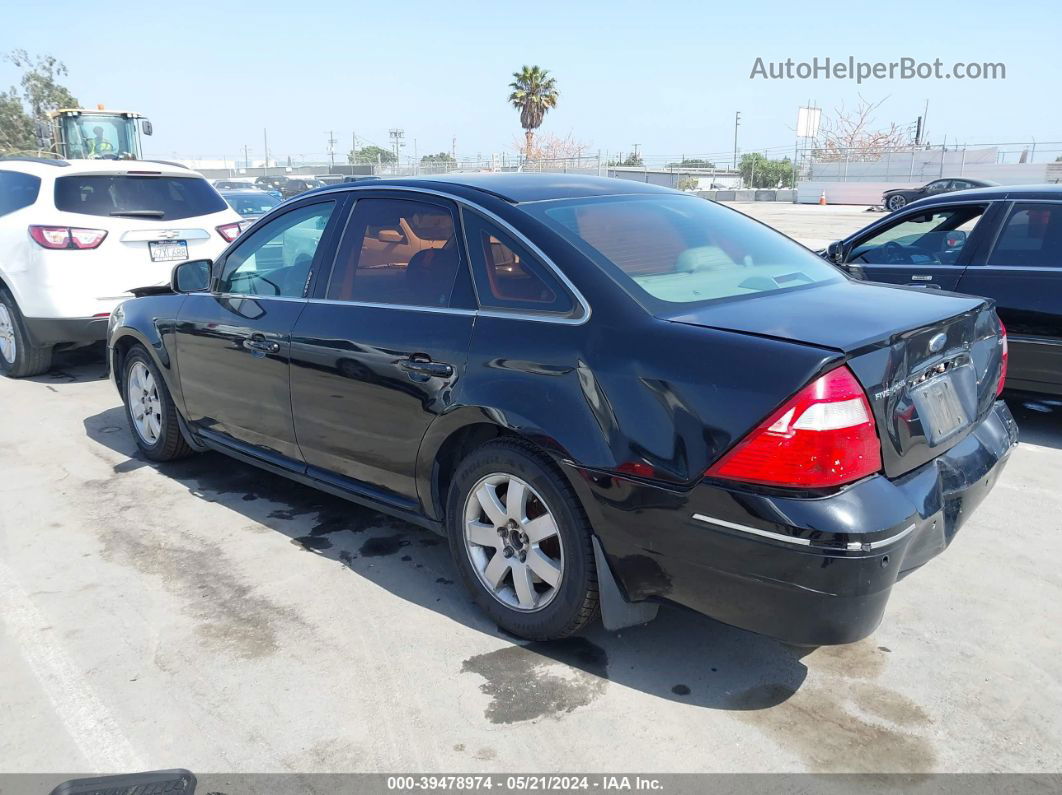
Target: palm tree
(534,93)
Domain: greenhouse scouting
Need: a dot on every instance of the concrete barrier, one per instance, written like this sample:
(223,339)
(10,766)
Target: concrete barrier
(782,195)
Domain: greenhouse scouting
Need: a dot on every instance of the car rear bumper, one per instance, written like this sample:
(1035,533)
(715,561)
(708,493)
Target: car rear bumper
(79,330)
(805,570)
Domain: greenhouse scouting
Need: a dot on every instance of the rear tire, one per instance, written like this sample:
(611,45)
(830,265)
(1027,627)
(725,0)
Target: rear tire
(529,565)
(18,358)
(149,409)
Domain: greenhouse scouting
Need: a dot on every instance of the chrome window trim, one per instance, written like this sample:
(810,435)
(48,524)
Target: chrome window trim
(288,298)
(444,310)
(510,229)
(851,546)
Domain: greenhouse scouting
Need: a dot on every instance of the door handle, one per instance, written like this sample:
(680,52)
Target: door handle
(927,286)
(261,345)
(427,367)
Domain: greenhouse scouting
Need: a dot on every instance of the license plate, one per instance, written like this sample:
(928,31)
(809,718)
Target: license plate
(168,250)
(940,409)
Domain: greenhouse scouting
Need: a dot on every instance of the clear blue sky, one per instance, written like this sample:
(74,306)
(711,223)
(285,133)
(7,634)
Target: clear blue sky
(666,75)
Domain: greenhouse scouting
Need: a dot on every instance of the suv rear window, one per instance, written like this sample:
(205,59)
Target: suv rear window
(680,249)
(163,198)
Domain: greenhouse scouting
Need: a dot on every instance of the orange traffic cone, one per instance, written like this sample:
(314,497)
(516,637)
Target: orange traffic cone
(822,199)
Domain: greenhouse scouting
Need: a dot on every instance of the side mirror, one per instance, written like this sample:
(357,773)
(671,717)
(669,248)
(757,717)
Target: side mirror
(192,276)
(835,252)
(145,127)
(389,236)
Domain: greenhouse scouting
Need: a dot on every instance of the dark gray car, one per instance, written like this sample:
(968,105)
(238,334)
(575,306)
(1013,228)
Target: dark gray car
(898,198)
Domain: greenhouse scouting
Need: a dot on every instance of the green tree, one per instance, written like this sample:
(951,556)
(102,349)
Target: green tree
(16,127)
(371,154)
(692,162)
(758,171)
(440,159)
(41,92)
(534,93)
(633,160)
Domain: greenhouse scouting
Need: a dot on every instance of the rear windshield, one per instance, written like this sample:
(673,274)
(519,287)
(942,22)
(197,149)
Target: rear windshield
(681,249)
(252,205)
(165,198)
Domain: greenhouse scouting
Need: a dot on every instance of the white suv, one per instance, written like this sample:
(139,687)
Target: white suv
(76,236)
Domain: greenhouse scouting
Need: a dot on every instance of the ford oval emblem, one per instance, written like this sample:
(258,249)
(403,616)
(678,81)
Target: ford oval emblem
(936,343)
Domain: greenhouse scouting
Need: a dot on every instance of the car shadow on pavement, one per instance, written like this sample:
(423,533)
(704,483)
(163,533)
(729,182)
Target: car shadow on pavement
(681,656)
(75,366)
(1039,418)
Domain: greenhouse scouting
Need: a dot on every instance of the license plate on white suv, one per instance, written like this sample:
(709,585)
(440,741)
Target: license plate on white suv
(168,250)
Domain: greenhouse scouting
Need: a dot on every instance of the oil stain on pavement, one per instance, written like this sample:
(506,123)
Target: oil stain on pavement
(540,680)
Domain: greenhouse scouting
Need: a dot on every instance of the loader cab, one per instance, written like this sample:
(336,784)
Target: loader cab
(79,134)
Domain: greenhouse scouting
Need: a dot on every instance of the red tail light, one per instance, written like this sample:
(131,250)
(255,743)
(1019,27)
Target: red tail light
(59,237)
(230,231)
(824,436)
(1003,365)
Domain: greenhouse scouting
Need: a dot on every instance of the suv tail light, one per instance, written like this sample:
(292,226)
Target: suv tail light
(823,436)
(232,231)
(59,237)
(1003,364)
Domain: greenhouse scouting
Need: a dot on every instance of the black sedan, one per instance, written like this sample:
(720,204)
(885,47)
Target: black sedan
(898,198)
(1001,243)
(604,393)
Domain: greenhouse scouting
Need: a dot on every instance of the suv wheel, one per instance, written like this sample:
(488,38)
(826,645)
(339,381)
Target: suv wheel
(897,203)
(150,410)
(521,542)
(18,358)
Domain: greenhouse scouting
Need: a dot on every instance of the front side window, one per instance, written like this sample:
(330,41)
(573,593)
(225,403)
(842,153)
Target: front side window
(681,249)
(17,190)
(932,237)
(1031,238)
(507,276)
(277,259)
(165,198)
(398,252)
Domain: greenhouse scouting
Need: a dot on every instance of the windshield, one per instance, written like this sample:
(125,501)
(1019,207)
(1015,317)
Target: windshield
(94,136)
(251,205)
(680,249)
(164,198)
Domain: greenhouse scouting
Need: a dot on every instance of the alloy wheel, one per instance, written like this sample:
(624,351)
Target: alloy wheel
(513,542)
(145,407)
(897,202)
(8,343)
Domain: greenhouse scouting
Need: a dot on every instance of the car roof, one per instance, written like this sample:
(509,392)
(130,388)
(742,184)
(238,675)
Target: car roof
(518,187)
(243,192)
(44,167)
(995,193)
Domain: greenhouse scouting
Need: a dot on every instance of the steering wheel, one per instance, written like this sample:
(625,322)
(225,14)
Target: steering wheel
(895,253)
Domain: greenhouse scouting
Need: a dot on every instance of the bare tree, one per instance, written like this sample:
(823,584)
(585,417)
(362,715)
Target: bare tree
(853,134)
(548,146)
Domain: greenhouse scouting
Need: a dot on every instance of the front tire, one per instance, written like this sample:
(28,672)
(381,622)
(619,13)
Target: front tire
(896,203)
(521,541)
(149,409)
(18,358)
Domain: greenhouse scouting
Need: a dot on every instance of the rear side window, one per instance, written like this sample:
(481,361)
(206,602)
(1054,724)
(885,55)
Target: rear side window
(17,190)
(1031,238)
(163,198)
(397,252)
(507,276)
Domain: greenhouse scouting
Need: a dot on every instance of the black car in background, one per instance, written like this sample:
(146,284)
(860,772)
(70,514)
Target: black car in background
(898,198)
(604,393)
(1004,243)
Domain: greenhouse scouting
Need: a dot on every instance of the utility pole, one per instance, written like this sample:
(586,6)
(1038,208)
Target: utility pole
(246,157)
(265,145)
(453,148)
(332,148)
(635,155)
(353,149)
(737,122)
(396,134)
